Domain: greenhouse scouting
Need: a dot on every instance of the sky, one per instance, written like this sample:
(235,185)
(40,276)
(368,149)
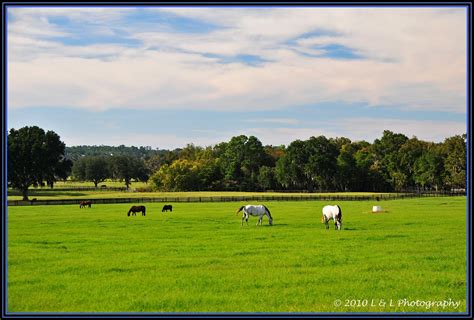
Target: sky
(166,77)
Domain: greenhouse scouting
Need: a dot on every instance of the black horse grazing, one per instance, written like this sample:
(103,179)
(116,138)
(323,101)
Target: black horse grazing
(167,207)
(135,209)
(84,204)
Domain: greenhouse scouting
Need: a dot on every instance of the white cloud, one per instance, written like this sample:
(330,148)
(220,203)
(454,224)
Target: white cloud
(416,60)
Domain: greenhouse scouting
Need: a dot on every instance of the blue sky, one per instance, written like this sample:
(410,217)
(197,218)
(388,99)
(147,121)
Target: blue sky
(167,76)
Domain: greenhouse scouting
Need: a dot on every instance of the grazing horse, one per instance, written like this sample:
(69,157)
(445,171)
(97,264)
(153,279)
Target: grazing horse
(332,213)
(259,211)
(84,204)
(135,209)
(167,207)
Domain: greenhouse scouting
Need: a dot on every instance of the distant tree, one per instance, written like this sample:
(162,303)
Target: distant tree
(241,161)
(392,162)
(142,173)
(181,175)
(340,142)
(97,169)
(321,167)
(62,172)
(273,154)
(77,152)
(347,168)
(34,157)
(367,176)
(454,153)
(428,170)
(153,163)
(210,176)
(190,152)
(92,168)
(57,166)
(387,157)
(409,153)
(127,168)
(79,170)
(289,169)
(267,179)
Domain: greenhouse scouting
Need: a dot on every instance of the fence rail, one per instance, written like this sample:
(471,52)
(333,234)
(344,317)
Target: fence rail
(80,188)
(319,197)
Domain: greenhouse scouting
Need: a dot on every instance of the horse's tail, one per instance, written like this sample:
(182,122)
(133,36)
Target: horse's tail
(268,211)
(240,209)
(144,209)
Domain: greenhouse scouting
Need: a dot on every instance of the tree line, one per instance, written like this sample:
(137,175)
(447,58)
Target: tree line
(74,153)
(393,162)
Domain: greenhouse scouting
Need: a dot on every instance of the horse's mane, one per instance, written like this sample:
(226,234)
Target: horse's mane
(268,211)
(340,211)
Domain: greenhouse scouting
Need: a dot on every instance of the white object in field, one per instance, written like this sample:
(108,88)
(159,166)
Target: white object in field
(377,209)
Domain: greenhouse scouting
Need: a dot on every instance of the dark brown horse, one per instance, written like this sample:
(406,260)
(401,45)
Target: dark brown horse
(87,203)
(167,207)
(135,209)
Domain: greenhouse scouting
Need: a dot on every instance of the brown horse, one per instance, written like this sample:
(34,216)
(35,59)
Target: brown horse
(167,207)
(135,209)
(87,203)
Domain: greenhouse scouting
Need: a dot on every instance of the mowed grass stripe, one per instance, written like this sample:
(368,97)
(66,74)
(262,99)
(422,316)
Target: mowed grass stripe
(199,258)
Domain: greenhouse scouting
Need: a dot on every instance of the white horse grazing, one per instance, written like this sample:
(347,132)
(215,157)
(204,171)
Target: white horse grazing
(332,213)
(259,211)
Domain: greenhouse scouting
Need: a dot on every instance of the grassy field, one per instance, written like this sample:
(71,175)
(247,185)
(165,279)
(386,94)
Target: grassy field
(200,259)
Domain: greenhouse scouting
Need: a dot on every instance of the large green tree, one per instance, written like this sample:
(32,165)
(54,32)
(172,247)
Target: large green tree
(289,169)
(35,156)
(347,168)
(181,175)
(388,158)
(241,162)
(321,167)
(428,169)
(409,153)
(454,152)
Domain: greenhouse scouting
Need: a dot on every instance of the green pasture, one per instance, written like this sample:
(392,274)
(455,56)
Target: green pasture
(200,259)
